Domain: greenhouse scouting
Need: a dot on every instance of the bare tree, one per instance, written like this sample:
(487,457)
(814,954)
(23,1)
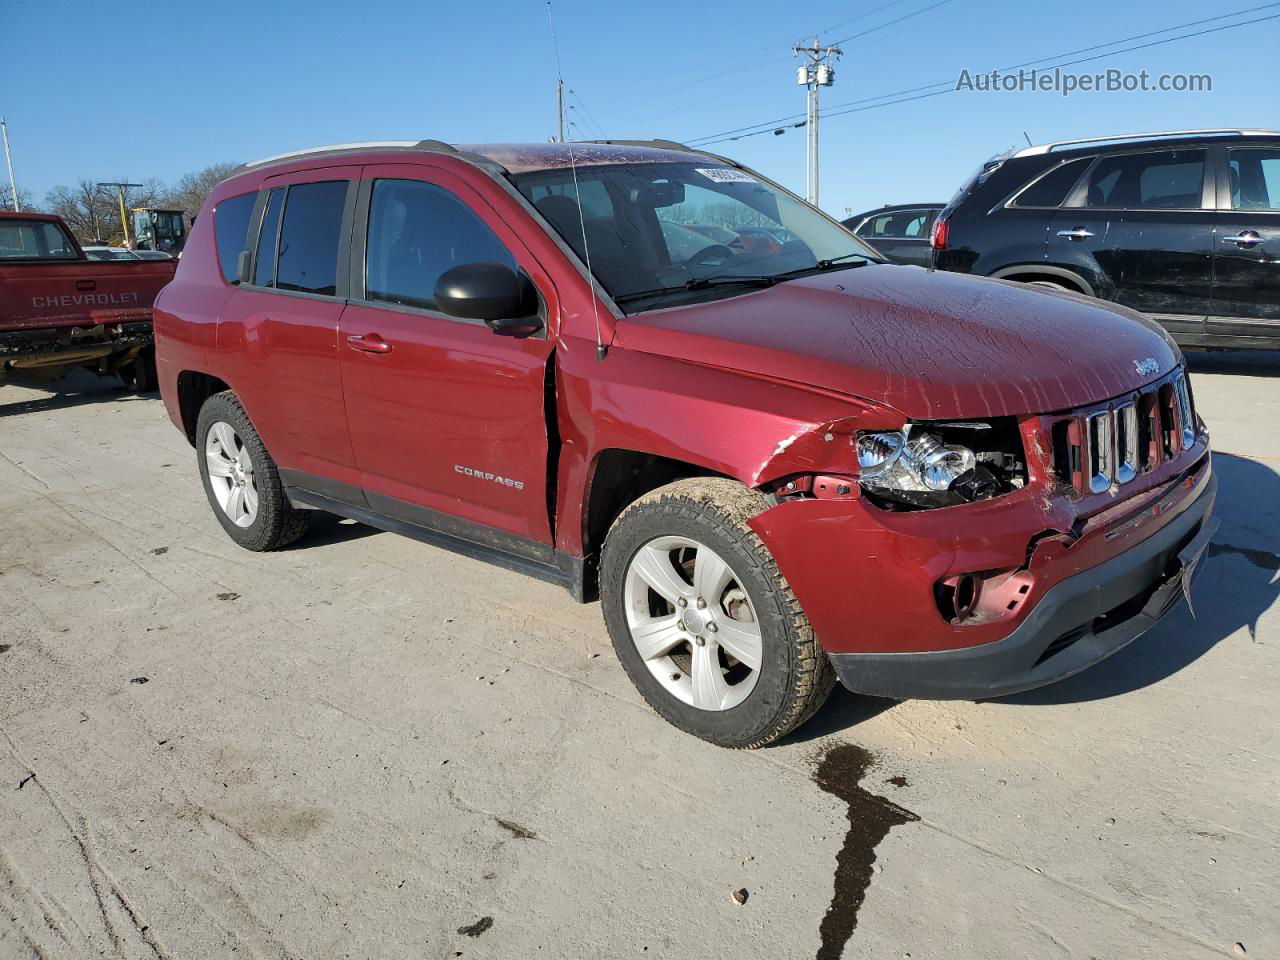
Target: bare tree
(24,199)
(85,208)
(93,212)
(191,191)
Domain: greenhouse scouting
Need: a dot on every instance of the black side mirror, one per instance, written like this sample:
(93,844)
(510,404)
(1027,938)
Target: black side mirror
(503,298)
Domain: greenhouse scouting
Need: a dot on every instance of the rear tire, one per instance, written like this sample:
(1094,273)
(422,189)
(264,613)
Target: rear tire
(139,374)
(672,638)
(241,480)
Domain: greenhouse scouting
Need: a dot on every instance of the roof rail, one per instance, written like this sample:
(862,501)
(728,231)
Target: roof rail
(1156,135)
(658,144)
(435,146)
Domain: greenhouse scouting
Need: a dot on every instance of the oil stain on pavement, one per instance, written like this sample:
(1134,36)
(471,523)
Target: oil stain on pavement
(839,771)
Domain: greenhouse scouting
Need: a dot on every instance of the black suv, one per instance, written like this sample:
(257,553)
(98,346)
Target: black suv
(1183,226)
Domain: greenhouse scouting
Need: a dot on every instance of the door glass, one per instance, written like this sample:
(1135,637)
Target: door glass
(1255,179)
(899,224)
(264,271)
(1163,180)
(417,231)
(309,237)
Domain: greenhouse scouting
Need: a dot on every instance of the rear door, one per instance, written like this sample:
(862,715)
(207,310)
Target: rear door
(1148,219)
(282,328)
(1246,287)
(448,419)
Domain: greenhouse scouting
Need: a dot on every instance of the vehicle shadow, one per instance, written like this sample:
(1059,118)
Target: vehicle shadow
(1239,580)
(76,389)
(841,712)
(1241,363)
(328,529)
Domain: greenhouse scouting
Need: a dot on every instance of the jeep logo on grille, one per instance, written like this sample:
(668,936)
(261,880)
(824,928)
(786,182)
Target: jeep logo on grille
(1146,367)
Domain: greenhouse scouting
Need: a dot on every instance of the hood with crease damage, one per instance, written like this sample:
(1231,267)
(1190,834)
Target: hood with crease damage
(932,345)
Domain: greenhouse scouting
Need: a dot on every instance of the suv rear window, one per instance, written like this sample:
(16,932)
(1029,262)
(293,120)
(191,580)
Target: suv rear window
(231,228)
(34,240)
(1161,180)
(1052,189)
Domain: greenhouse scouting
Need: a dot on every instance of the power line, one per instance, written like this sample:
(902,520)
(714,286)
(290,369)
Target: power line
(753,60)
(890,23)
(950,83)
(903,96)
(586,114)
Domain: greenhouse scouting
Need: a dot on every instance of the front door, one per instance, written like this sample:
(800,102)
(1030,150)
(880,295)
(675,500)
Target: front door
(448,420)
(1246,283)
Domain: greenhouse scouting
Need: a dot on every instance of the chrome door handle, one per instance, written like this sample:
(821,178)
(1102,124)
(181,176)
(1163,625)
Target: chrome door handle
(1079,233)
(370,344)
(1246,238)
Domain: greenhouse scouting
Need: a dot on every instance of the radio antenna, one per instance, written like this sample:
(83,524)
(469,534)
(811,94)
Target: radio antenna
(601,349)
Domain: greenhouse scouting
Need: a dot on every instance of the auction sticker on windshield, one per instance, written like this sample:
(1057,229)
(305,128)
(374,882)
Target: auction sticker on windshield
(726,175)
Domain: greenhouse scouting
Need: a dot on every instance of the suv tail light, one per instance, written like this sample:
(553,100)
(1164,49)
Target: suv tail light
(941,231)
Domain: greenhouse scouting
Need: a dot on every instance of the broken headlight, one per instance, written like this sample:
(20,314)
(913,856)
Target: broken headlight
(940,465)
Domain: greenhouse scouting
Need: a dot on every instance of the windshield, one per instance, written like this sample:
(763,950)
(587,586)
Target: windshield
(665,233)
(34,240)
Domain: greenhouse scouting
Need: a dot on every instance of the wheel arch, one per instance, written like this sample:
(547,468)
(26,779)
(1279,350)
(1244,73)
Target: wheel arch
(618,477)
(194,388)
(1029,272)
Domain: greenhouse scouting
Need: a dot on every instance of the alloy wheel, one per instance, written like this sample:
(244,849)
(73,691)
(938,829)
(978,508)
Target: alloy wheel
(231,474)
(692,623)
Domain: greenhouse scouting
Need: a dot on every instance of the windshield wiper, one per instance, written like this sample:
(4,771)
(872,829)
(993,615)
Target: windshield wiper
(699,283)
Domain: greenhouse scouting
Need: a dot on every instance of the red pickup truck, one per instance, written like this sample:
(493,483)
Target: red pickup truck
(59,309)
(775,467)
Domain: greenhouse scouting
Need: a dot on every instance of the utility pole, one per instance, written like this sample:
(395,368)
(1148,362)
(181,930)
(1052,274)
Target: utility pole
(559,110)
(124,219)
(8,159)
(814,73)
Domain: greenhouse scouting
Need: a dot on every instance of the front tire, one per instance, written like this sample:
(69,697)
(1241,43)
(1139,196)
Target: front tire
(703,621)
(241,480)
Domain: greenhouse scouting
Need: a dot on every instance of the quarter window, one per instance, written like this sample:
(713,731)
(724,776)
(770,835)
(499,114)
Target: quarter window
(1163,180)
(1255,179)
(1051,190)
(231,227)
(417,231)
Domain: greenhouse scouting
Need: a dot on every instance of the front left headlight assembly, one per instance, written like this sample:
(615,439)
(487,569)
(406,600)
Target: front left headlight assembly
(940,465)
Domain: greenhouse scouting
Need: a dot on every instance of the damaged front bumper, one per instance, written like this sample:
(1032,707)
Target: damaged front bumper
(1071,600)
(1079,622)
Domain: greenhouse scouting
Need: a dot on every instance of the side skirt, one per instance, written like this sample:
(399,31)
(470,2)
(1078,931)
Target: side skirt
(464,537)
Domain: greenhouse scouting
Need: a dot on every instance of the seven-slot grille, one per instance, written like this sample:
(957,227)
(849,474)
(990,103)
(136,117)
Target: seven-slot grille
(1106,446)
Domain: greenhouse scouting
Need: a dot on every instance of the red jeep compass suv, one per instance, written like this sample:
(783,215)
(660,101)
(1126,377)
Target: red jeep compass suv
(774,466)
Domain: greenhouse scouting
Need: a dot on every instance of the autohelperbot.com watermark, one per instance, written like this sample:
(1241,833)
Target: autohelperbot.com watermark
(1065,83)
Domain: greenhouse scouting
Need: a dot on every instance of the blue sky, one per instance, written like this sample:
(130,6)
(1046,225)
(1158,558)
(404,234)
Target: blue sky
(156,89)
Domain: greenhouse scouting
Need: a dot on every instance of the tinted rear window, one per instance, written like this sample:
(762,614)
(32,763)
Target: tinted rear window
(34,240)
(309,237)
(231,229)
(1051,190)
